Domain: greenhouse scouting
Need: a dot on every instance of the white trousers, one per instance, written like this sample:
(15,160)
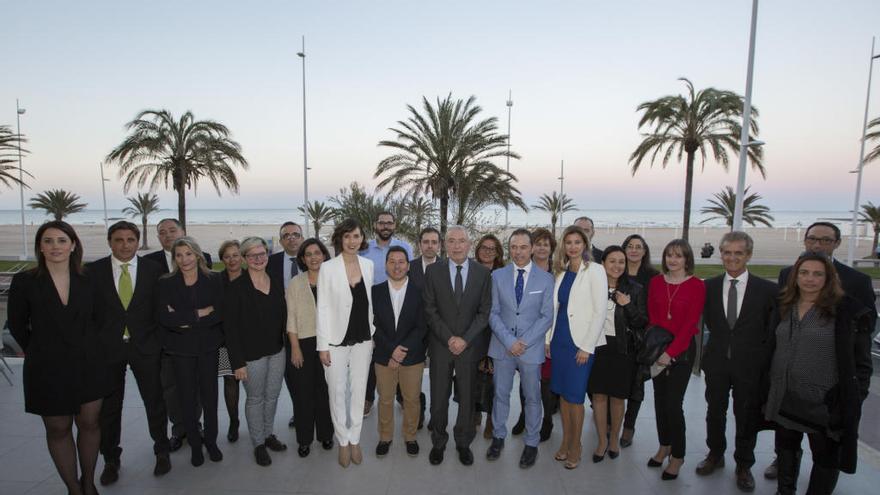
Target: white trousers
(347,384)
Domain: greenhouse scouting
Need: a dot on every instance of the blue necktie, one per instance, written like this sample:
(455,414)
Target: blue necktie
(519,285)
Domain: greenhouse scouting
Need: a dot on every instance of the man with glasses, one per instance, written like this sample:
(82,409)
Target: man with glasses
(282,267)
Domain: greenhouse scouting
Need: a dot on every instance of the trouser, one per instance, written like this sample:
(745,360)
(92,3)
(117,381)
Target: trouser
(288,376)
(146,370)
(669,388)
(530,386)
(823,474)
(410,380)
(196,378)
(370,392)
(632,412)
(746,411)
(263,385)
(169,393)
(346,380)
(549,401)
(311,400)
(441,367)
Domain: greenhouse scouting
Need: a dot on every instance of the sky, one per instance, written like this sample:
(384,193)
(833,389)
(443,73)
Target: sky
(577,71)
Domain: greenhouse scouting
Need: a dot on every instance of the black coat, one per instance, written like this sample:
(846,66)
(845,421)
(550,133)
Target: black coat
(630,320)
(275,267)
(158,257)
(185,332)
(248,335)
(416,273)
(410,331)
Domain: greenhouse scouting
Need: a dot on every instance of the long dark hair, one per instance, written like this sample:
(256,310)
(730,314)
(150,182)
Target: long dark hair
(344,227)
(499,250)
(829,296)
(301,254)
(75,257)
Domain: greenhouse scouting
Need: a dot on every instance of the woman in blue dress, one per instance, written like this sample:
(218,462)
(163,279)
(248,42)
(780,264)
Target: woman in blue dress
(580,304)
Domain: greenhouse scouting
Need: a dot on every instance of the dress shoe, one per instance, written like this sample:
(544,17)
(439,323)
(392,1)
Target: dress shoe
(772,470)
(744,479)
(668,476)
(357,455)
(520,425)
(175,442)
(327,445)
(110,473)
(213,452)
(304,450)
(344,455)
(274,444)
(382,449)
(412,448)
(528,457)
(494,451)
(600,458)
(708,465)
(261,455)
(546,430)
(368,407)
(654,463)
(291,423)
(163,464)
(613,454)
(465,455)
(626,438)
(232,434)
(197,457)
(436,456)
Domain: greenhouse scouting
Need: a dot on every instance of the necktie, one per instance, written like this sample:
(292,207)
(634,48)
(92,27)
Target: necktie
(126,291)
(293,268)
(519,285)
(459,285)
(731,303)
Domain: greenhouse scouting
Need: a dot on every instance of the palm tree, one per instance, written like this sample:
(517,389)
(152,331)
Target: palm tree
(705,120)
(725,202)
(318,213)
(435,149)
(415,213)
(57,202)
(355,202)
(480,187)
(161,150)
(556,206)
(873,135)
(143,204)
(9,143)
(871,214)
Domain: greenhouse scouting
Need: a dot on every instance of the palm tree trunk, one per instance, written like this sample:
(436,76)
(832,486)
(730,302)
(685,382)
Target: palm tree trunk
(874,245)
(181,206)
(144,245)
(317,225)
(444,210)
(553,220)
(688,191)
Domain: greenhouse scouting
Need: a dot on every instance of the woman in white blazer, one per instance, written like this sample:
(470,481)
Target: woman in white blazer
(579,303)
(344,334)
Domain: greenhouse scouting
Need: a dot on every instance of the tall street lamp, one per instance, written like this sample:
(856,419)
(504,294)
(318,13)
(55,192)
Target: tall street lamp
(509,107)
(104,194)
(18,113)
(302,55)
(561,186)
(851,251)
(747,120)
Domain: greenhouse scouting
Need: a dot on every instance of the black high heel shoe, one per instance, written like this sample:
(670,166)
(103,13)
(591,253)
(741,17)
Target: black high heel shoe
(600,458)
(613,454)
(668,476)
(654,464)
(232,434)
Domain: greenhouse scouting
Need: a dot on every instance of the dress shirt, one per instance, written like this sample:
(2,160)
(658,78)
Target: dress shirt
(609,315)
(516,270)
(742,280)
(397,297)
(425,263)
(169,260)
(288,266)
(117,270)
(377,253)
(464,273)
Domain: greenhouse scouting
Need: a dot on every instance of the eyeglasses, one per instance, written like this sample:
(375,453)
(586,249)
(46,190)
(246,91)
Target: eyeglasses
(487,247)
(256,256)
(384,224)
(825,241)
(291,235)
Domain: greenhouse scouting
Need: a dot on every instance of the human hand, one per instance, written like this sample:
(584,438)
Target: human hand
(399,354)
(241,374)
(203,312)
(547,351)
(393,364)
(664,360)
(518,348)
(581,357)
(621,299)
(296,356)
(324,356)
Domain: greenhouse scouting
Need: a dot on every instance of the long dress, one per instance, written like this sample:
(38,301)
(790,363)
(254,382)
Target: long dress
(567,378)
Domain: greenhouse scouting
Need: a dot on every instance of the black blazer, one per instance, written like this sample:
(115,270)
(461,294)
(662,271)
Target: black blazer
(158,257)
(410,330)
(630,320)
(275,268)
(416,274)
(748,343)
(140,317)
(185,333)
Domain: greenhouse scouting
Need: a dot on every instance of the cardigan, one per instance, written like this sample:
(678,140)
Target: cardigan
(676,308)
(587,305)
(301,307)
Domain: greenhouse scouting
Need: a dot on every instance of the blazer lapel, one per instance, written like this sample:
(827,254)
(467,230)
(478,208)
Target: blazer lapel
(409,301)
(138,284)
(748,299)
(471,281)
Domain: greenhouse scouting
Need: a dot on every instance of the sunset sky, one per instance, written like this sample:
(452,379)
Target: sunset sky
(577,71)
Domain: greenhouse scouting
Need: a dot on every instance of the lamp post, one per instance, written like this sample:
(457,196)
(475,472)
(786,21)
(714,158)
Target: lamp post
(302,55)
(851,251)
(561,186)
(18,113)
(747,120)
(104,194)
(509,108)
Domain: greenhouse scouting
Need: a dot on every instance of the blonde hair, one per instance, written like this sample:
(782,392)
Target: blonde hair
(190,243)
(560,258)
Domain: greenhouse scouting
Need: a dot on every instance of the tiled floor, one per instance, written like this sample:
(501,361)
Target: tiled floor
(25,466)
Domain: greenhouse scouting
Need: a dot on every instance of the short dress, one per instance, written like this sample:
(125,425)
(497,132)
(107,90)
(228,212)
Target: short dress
(567,378)
(612,374)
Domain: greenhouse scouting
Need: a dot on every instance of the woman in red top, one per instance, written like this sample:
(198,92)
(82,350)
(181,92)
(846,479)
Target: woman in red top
(675,302)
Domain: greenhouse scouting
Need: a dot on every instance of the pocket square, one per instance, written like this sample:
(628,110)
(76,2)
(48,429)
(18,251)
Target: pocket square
(535,292)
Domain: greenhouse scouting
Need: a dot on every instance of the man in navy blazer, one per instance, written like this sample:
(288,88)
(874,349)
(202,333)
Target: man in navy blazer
(522,312)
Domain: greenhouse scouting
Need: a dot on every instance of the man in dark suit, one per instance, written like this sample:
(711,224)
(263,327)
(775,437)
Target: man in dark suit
(738,314)
(125,309)
(399,352)
(281,268)
(169,230)
(458,298)
(429,250)
(586,223)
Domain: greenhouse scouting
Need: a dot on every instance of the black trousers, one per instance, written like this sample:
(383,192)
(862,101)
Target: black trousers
(288,376)
(824,472)
(146,370)
(311,401)
(370,392)
(196,378)
(746,410)
(669,388)
(442,366)
(169,393)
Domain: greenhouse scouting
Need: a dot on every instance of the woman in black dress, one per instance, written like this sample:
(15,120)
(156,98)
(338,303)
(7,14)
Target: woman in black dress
(230,254)
(50,316)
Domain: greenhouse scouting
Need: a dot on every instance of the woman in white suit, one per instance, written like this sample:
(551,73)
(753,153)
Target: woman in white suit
(580,304)
(344,334)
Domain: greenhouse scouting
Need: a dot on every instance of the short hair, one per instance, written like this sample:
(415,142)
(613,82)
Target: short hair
(686,251)
(450,228)
(76,256)
(736,236)
(386,212)
(190,243)
(123,225)
(301,254)
(520,231)
(251,242)
(344,227)
(560,259)
(498,262)
(226,245)
(831,293)
(578,219)
(612,249)
(430,230)
(540,234)
(396,249)
(176,222)
(289,223)
(830,225)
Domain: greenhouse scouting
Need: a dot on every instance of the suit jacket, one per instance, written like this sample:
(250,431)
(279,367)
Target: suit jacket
(528,321)
(746,346)
(275,268)
(334,300)
(587,305)
(416,272)
(140,317)
(410,330)
(158,257)
(468,320)
(185,332)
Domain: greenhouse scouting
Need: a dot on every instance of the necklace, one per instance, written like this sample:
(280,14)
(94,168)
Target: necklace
(669,299)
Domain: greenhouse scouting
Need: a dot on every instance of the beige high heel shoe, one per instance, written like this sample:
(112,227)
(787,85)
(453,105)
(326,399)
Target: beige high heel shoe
(344,455)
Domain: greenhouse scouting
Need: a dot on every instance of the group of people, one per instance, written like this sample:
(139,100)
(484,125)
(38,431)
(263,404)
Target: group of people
(573,320)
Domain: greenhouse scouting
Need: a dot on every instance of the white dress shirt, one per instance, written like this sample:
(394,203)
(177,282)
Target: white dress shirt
(169,260)
(397,297)
(742,280)
(516,270)
(117,270)
(425,263)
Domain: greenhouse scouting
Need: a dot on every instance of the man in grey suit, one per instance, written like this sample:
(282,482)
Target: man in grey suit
(522,312)
(458,298)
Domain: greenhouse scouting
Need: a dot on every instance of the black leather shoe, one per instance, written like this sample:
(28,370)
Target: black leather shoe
(708,465)
(744,479)
(232,434)
(612,454)
(772,470)
(465,455)
(546,430)
(262,456)
(412,448)
(436,456)
(214,453)
(653,463)
(163,464)
(111,472)
(274,444)
(197,457)
(421,418)
(291,423)
(382,449)
(175,442)
(600,458)
(328,445)
(528,457)
(494,451)
(626,438)
(520,425)
(304,450)
(668,476)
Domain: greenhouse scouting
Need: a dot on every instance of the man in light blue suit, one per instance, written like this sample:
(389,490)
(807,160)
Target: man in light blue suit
(522,312)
